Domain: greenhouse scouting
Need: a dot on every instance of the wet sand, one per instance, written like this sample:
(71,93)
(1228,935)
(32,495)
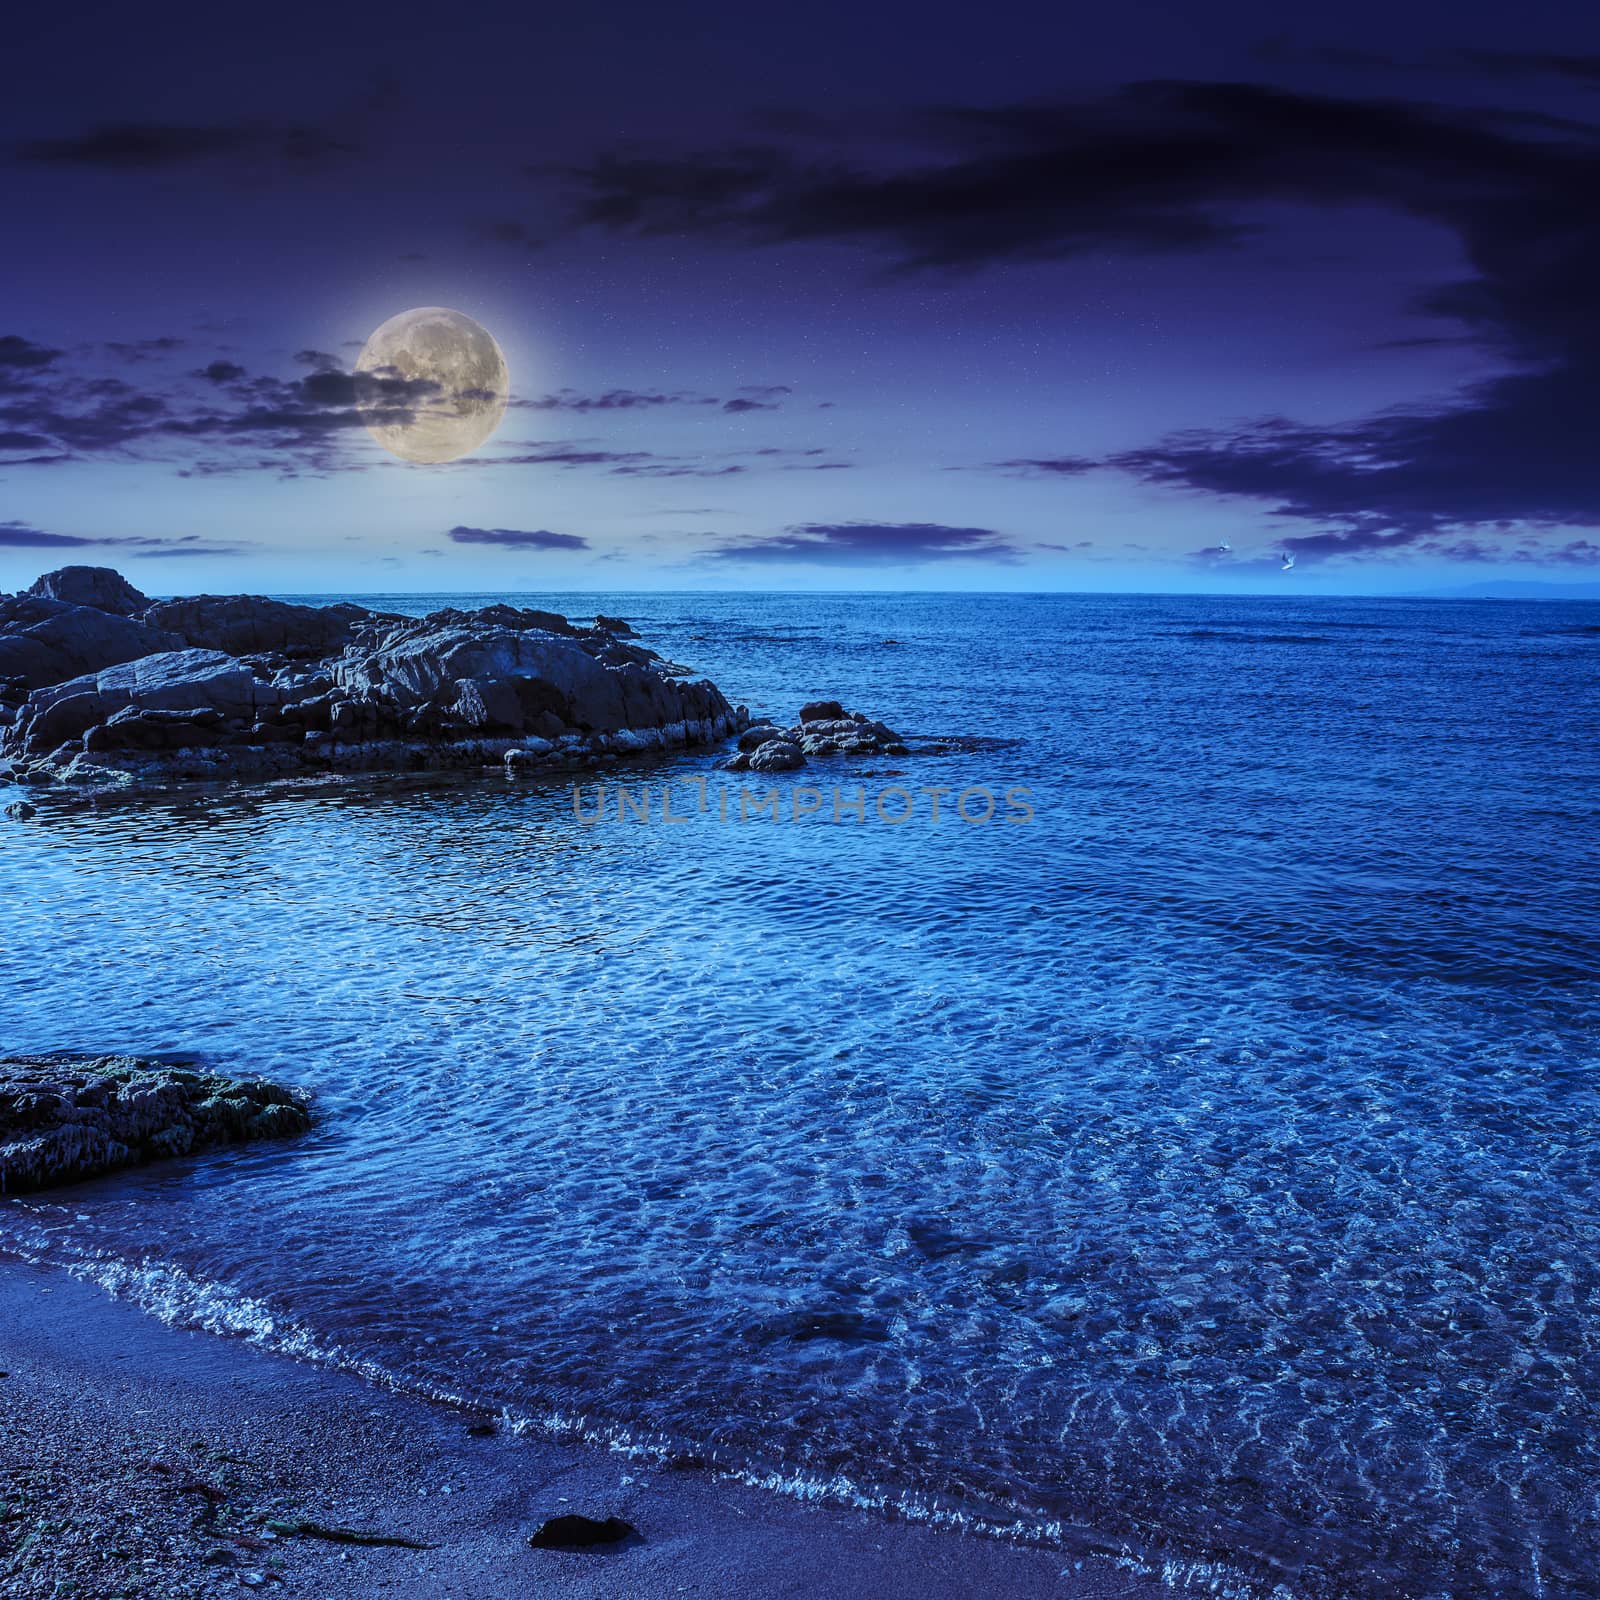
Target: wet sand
(138,1459)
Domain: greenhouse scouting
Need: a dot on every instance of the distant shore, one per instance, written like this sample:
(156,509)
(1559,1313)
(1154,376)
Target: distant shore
(139,1459)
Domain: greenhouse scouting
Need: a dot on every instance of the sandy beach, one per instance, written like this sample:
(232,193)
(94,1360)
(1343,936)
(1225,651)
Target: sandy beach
(138,1459)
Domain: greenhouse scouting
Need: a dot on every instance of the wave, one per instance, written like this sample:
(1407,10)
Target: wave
(179,1299)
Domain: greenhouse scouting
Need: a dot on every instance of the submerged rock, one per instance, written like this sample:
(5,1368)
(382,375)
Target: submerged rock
(244,687)
(64,1118)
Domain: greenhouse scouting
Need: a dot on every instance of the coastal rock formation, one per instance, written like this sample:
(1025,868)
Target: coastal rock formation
(43,641)
(64,1118)
(246,624)
(97,587)
(241,686)
(825,728)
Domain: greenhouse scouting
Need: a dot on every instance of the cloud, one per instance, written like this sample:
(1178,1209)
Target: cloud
(612,400)
(143,349)
(1162,167)
(265,423)
(1046,466)
(868,544)
(749,397)
(517,539)
(22,361)
(23,536)
(154,146)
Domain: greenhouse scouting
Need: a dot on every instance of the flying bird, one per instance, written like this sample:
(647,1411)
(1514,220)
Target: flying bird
(1288,561)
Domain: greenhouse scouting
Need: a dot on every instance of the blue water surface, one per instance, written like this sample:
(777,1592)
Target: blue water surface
(1205,1167)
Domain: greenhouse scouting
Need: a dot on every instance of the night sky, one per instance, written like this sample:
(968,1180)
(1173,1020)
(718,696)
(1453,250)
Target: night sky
(858,296)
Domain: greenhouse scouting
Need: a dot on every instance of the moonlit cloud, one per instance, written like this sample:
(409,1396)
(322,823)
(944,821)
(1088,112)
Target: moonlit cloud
(867,544)
(518,539)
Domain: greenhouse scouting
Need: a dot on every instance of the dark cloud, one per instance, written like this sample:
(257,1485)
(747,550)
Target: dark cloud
(749,397)
(563,455)
(1047,466)
(22,361)
(1165,166)
(288,426)
(671,469)
(22,536)
(143,349)
(19,536)
(518,539)
(868,544)
(613,400)
(154,146)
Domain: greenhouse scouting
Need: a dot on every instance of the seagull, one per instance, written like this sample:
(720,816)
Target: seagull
(1224,548)
(1288,561)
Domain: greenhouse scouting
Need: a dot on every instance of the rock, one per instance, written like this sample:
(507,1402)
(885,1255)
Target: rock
(20,810)
(615,625)
(574,1532)
(821,710)
(178,680)
(246,624)
(64,1118)
(246,688)
(530,755)
(99,587)
(754,738)
(777,755)
(43,641)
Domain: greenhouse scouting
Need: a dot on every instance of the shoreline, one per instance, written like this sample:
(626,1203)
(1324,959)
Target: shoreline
(131,1451)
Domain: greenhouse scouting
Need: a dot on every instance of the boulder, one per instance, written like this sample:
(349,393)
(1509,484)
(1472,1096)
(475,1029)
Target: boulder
(572,1531)
(98,587)
(754,738)
(777,755)
(44,640)
(821,710)
(615,625)
(177,680)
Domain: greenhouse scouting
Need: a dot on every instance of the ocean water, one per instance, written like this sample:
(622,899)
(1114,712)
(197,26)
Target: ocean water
(1205,1168)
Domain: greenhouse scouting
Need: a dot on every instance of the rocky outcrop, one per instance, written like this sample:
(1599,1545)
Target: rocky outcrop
(243,687)
(248,624)
(43,641)
(766,747)
(63,1118)
(98,587)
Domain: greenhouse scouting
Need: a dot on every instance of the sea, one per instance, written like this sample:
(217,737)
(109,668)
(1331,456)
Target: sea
(1182,1152)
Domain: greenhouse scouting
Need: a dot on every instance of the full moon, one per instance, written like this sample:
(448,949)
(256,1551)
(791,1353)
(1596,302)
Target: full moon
(433,384)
